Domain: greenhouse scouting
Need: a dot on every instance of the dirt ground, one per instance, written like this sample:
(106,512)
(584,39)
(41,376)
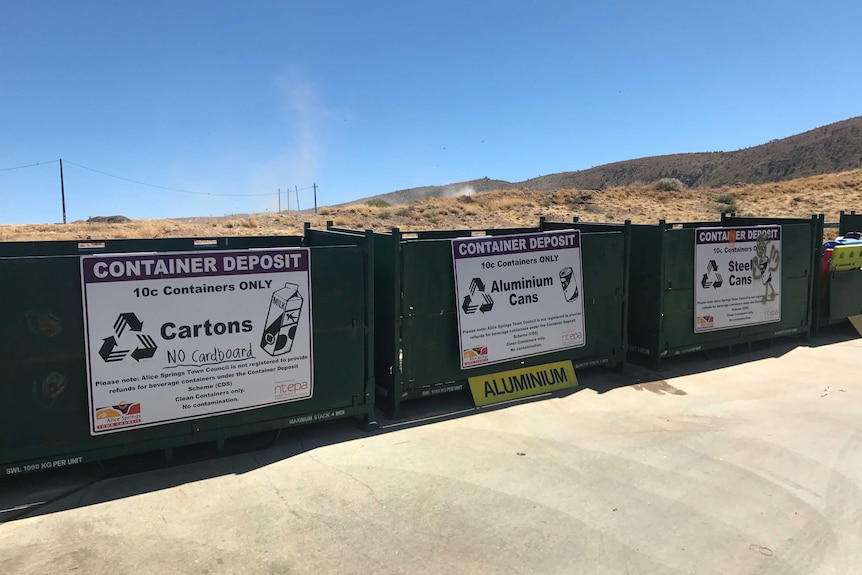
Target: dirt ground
(827,194)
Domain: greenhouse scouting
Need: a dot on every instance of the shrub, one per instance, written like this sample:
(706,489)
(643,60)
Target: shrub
(377,203)
(728,203)
(669,185)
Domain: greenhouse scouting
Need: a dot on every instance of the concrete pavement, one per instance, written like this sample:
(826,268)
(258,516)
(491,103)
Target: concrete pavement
(745,465)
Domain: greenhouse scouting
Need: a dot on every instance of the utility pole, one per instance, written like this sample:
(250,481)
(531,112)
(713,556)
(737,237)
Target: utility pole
(62,191)
(279,200)
(296,188)
(315,198)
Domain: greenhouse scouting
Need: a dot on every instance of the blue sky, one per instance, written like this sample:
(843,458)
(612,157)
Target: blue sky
(232,100)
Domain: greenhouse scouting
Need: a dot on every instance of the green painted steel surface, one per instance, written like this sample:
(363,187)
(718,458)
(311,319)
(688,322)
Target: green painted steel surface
(661,308)
(417,351)
(840,294)
(849,222)
(43,385)
(424,309)
(845,294)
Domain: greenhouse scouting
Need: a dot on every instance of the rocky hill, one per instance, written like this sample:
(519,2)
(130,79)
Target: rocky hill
(829,149)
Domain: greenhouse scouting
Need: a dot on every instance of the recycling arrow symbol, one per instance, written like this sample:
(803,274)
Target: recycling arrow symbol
(111,350)
(147,351)
(469,305)
(129,320)
(715,282)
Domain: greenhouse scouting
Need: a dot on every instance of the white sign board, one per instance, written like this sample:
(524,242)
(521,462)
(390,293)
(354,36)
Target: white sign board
(518,296)
(737,279)
(183,335)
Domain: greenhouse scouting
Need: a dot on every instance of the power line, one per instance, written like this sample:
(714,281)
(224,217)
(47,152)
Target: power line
(166,187)
(29,165)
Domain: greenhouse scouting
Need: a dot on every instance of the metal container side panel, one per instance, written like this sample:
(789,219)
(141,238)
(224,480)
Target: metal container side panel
(741,221)
(845,294)
(679,320)
(427,278)
(430,324)
(321,238)
(679,293)
(44,407)
(796,250)
(431,355)
(338,283)
(679,260)
(584,227)
(850,222)
(97,246)
(43,394)
(387,320)
(645,289)
(385,303)
(546,226)
(451,234)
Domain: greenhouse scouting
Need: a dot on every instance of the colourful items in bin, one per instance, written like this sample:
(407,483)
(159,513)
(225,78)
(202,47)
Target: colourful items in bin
(850,238)
(846,257)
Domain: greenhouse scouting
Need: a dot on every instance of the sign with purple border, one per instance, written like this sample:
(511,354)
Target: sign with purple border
(518,296)
(737,277)
(183,335)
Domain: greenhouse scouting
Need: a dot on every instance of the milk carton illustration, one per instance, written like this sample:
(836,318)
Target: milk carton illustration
(282,320)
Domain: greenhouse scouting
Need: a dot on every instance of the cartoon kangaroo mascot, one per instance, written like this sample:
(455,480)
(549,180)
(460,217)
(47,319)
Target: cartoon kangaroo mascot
(763,265)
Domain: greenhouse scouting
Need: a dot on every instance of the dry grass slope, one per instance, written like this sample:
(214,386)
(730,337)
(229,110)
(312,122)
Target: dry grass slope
(827,194)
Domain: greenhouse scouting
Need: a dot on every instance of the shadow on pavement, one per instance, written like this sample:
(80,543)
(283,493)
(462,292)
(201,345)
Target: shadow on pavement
(93,483)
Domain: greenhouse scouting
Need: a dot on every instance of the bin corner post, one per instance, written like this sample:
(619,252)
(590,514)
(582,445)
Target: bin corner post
(660,339)
(397,356)
(329,224)
(627,259)
(369,423)
(542,221)
(815,295)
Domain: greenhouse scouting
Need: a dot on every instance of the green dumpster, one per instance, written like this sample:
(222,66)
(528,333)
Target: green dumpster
(119,347)
(423,345)
(704,285)
(849,222)
(841,274)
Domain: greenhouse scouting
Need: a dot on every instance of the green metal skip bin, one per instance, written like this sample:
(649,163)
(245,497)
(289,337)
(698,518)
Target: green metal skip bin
(122,347)
(705,285)
(841,275)
(418,352)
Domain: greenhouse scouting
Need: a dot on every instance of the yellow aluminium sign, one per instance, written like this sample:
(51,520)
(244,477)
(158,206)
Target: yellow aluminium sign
(524,382)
